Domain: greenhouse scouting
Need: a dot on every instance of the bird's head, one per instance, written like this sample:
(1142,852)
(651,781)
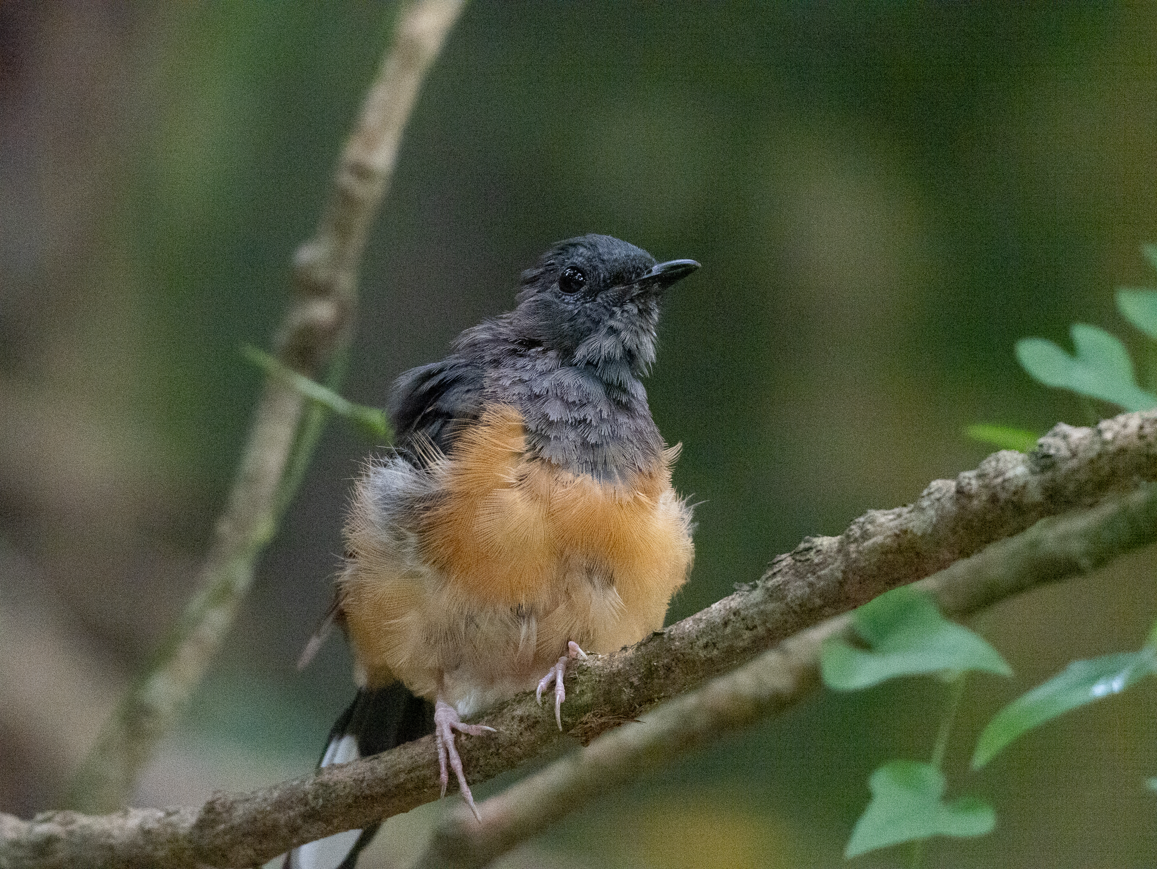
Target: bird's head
(594,301)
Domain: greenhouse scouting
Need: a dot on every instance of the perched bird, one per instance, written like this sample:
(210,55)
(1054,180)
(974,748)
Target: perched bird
(525,514)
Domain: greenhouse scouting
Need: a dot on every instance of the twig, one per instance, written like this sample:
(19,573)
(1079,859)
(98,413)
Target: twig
(1071,469)
(1051,551)
(316,327)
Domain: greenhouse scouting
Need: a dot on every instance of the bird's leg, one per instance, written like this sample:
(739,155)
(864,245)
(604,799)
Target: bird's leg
(446,721)
(555,675)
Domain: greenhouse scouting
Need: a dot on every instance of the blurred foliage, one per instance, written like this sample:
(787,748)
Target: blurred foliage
(884,198)
(1002,437)
(372,423)
(1080,683)
(1100,367)
(908,805)
(906,635)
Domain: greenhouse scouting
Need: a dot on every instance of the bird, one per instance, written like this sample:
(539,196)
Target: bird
(524,516)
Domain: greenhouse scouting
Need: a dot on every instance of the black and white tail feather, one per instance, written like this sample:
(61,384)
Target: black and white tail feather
(375,721)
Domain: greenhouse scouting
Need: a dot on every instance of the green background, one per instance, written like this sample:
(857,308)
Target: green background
(883,198)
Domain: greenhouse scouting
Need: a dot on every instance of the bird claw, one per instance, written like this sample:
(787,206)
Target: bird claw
(555,674)
(446,721)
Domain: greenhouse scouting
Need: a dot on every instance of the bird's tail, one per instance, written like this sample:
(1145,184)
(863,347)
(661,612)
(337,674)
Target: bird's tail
(375,721)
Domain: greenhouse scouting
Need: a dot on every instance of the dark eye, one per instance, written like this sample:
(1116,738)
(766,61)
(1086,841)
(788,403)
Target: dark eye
(571,280)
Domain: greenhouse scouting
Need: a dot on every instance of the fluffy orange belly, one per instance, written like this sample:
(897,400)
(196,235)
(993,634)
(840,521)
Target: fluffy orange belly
(477,584)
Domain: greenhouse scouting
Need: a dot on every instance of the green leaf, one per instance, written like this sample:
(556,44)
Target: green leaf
(370,421)
(906,636)
(1081,683)
(907,804)
(1139,307)
(1100,367)
(1003,436)
(1151,784)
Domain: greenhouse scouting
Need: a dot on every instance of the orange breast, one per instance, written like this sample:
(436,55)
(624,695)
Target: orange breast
(510,529)
(477,574)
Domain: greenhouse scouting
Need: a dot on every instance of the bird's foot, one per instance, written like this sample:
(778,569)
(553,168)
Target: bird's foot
(446,721)
(555,674)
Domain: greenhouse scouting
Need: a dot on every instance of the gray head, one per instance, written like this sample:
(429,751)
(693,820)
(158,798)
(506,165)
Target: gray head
(594,301)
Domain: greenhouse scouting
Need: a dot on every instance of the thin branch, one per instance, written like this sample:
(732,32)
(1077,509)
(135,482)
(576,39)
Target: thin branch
(316,327)
(1051,551)
(1071,469)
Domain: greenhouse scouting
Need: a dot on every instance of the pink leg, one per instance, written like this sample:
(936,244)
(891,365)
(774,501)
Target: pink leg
(446,721)
(555,674)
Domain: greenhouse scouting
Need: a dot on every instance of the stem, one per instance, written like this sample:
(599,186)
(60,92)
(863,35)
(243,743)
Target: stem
(940,748)
(956,691)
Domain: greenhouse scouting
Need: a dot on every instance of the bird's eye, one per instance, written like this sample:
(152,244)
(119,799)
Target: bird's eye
(571,280)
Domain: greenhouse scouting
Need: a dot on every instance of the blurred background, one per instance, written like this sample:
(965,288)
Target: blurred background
(884,198)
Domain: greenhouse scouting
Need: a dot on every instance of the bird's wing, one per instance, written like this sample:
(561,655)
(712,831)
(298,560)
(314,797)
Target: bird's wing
(430,407)
(433,404)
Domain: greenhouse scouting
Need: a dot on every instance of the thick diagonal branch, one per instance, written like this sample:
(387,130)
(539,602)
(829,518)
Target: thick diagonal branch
(1070,470)
(1054,549)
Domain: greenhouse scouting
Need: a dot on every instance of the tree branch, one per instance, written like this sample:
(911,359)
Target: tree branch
(1070,469)
(316,327)
(1054,549)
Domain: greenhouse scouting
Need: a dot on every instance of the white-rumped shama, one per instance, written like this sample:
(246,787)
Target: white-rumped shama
(525,514)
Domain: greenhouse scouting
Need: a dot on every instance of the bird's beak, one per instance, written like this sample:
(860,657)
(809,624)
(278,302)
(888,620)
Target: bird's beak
(665,274)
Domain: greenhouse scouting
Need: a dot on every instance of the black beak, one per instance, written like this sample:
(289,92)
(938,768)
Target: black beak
(665,274)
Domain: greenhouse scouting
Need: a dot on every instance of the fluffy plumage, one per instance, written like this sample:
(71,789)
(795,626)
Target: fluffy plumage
(527,505)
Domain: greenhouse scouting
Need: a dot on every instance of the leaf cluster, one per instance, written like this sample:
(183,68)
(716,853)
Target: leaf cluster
(902,633)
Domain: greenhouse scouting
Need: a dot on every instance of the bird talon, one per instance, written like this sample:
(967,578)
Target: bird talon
(555,674)
(446,721)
